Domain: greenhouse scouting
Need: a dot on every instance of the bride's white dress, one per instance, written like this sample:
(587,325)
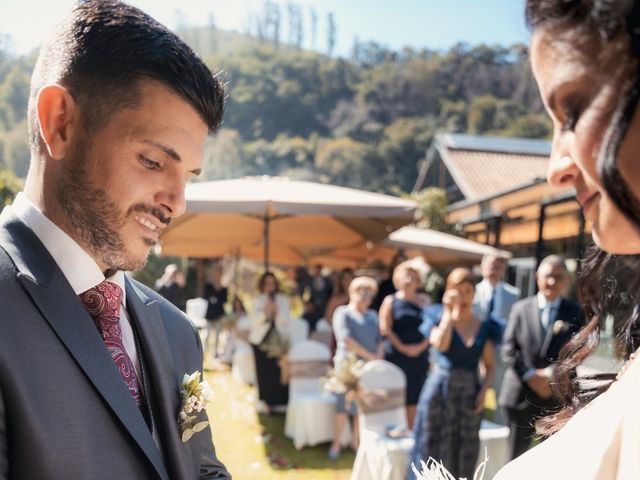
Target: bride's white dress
(601,442)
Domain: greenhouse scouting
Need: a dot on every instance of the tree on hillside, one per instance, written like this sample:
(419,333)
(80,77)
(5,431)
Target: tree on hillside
(313,31)
(296,29)
(347,162)
(432,209)
(9,187)
(14,96)
(402,147)
(331,33)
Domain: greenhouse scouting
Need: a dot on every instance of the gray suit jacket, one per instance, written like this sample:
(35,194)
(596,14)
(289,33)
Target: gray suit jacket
(525,346)
(65,412)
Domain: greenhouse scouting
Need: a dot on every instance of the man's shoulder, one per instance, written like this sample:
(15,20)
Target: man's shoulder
(523,303)
(510,289)
(575,309)
(170,313)
(8,269)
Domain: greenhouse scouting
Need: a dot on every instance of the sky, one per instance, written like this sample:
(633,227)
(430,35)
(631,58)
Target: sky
(432,24)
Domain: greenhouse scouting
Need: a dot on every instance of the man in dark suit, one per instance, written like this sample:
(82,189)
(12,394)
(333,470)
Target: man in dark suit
(537,329)
(91,361)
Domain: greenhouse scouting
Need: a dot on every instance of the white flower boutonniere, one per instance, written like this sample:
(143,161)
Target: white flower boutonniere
(560,326)
(195,396)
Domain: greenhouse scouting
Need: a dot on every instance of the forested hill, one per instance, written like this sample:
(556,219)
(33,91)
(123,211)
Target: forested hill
(364,122)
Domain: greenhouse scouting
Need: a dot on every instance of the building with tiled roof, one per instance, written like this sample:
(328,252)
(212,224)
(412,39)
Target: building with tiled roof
(472,167)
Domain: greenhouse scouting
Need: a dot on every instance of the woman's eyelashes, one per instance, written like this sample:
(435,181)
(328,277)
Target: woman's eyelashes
(569,121)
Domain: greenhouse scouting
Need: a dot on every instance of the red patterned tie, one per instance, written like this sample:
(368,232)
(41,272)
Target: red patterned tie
(103,304)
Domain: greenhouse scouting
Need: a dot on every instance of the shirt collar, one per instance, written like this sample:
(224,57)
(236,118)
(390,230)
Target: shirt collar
(80,269)
(542,301)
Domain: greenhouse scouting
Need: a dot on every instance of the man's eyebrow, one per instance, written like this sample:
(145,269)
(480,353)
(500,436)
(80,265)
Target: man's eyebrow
(168,150)
(172,153)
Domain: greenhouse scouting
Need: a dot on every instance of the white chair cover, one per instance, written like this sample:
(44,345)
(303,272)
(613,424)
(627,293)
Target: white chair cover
(243,363)
(298,331)
(323,326)
(310,411)
(495,439)
(196,311)
(380,457)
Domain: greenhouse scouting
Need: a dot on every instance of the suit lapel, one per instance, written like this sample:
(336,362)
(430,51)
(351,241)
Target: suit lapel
(554,341)
(165,381)
(58,304)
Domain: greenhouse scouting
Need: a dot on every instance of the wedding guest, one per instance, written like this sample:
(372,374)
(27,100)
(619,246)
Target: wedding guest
(386,286)
(270,318)
(239,317)
(340,292)
(355,327)
(494,298)
(585,60)
(401,317)
(216,296)
(538,328)
(171,285)
(452,400)
(320,290)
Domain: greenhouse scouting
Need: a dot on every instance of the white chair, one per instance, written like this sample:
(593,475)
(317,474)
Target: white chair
(310,411)
(298,331)
(323,326)
(323,333)
(243,363)
(495,439)
(380,457)
(196,311)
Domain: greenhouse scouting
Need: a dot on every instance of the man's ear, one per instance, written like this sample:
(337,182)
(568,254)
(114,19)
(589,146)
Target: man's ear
(57,117)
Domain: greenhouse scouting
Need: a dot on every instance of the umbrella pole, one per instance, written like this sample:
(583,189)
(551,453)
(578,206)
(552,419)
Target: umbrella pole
(265,240)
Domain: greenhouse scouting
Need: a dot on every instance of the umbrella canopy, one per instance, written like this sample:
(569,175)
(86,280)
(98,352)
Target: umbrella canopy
(281,220)
(438,249)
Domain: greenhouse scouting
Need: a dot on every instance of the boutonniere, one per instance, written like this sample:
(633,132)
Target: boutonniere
(560,326)
(195,396)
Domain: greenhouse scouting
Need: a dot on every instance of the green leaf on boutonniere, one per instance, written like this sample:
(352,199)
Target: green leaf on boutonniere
(198,427)
(187,434)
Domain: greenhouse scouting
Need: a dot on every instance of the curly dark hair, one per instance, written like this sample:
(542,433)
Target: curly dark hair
(609,285)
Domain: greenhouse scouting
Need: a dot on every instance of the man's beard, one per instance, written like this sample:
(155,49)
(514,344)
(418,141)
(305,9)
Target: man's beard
(97,220)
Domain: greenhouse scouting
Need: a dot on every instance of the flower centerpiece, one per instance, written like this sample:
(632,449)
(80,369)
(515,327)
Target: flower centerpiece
(344,376)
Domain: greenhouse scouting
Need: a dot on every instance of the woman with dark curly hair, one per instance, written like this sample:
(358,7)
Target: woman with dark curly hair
(585,56)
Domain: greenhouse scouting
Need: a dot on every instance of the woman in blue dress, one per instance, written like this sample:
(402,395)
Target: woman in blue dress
(400,321)
(451,403)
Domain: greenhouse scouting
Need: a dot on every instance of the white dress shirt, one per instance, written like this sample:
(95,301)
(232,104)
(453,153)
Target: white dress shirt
(80,269)
(548,309)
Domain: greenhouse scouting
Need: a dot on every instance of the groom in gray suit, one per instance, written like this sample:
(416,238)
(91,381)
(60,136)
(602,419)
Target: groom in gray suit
(91,361)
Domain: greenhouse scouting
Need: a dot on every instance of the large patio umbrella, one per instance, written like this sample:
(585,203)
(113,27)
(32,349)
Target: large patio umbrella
(280,220)
(438,249)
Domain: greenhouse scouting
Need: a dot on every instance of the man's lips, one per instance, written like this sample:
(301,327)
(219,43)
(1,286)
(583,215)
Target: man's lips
(150,222)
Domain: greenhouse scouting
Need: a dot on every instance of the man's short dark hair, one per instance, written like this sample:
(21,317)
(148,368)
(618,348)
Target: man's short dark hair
(104,49)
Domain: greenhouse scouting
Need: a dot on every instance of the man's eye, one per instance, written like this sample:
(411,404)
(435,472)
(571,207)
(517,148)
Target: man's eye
(570,121)
(148,163)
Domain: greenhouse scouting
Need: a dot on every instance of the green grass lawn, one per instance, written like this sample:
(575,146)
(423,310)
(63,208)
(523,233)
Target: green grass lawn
(253,446)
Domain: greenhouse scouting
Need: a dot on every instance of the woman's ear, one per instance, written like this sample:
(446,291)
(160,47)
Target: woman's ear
(57,116)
